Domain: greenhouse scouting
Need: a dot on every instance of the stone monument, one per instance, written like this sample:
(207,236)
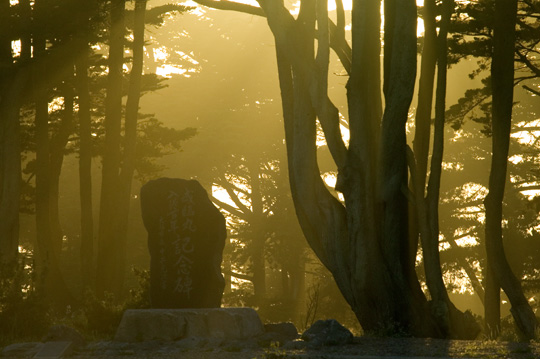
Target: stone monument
(186,236)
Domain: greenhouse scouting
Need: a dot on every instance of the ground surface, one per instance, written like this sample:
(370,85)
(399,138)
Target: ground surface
(362,347)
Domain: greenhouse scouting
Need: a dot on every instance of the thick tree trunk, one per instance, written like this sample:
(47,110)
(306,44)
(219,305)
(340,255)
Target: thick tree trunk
(346,241)
(50,282)
(492,301)
(10,182)
(502,77)
(110,271)
(364,243)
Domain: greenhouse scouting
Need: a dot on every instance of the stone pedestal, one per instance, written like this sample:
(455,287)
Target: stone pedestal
(175,324)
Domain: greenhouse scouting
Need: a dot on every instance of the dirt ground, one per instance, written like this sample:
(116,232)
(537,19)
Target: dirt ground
(362,348)
(366,347)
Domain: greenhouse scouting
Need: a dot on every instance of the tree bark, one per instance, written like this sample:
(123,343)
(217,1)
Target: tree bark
(258,240)
(492,301)
(85,153)
(130,137)
(10,149)
(457,324)
(57,149)
(43,224)
(109,272)
(425,92)
(422,121)
(502,77)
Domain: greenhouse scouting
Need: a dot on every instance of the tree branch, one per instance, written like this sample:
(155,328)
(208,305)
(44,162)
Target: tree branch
(232,6)
(531,90)
(232,210)
(238,275)
(234,197)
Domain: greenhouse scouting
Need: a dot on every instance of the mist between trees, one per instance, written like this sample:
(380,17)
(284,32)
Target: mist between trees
(383,176)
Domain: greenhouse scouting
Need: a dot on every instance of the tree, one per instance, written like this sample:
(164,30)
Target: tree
(364,234)
(502,77)
(120,152)
(474,35)
(109,271)
(10,158)
(86,9)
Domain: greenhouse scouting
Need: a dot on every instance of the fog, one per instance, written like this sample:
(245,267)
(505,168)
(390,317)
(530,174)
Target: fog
(220,77)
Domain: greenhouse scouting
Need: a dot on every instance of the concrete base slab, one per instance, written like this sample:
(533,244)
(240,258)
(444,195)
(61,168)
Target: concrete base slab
(54,350)
(174,324)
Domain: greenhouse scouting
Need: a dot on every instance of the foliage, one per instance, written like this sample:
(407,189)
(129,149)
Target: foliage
(20,305)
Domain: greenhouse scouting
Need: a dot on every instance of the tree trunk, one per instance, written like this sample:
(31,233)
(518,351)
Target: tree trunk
(346,240)
(475,282)
(425,93)
(10,149)
(455,323)
(492,302)
(85,159)
(109,271)
(58,147)
(422,122)
(502,77)
(43,224)
(258,240)
(130,138)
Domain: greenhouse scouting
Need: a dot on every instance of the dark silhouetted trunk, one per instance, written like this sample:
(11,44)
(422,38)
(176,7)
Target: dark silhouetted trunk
(109,271)
(10,148)
(130,137)
(57,151)
(502,77)
(50,281)
(43,224)
(85,145)
(85,169)
(422,122)
(492,302)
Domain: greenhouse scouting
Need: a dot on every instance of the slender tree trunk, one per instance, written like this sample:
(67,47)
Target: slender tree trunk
(85,163)
(259,236)
(109,273)
(430,244)
(475,282)
(43,224)
(502,77)
(58,147)
(26,36)
(422,122)
(425,92)
(458,324)
(130,138)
